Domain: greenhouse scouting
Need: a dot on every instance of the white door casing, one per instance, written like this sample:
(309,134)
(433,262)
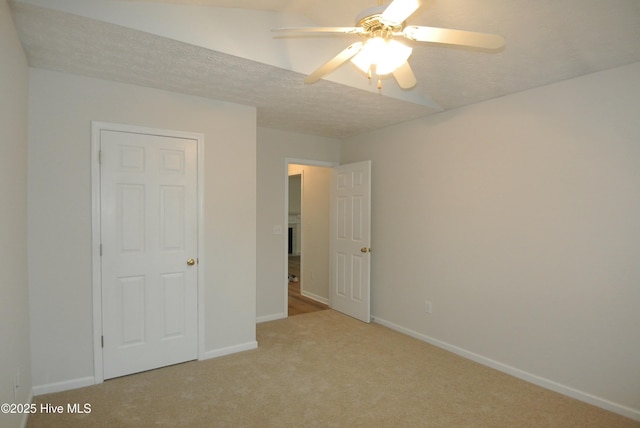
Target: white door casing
(350,242)
(148,231)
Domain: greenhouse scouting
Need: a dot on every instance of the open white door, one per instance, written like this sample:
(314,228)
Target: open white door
(351,240)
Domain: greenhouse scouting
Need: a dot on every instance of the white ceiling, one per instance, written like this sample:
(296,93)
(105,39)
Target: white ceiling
(223,49)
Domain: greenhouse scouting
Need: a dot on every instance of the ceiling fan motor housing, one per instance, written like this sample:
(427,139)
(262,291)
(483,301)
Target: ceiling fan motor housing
(371,20)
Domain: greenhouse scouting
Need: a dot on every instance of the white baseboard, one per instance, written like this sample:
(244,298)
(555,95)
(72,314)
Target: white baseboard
(315,297)
(90,380)
(214,353)
(272,317)
(63,386)
(520,374)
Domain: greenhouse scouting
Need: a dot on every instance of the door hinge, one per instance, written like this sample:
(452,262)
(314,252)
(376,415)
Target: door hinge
(102,341)
(101,250)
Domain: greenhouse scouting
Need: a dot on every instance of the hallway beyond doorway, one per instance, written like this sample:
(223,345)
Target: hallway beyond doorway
(297,303)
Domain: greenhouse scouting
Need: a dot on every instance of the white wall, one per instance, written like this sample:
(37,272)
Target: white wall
(518,219)
(295,192)
(62,107)
(14,309)
(274,147)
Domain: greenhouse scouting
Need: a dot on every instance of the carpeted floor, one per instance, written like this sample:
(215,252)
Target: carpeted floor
(324,369)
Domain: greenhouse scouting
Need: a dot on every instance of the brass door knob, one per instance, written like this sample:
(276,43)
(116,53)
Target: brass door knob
(365,250)
(191,262)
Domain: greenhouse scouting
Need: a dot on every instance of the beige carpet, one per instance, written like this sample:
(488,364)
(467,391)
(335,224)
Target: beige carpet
(326,370)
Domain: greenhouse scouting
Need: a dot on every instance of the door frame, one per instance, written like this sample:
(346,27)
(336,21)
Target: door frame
(96,259)
(287,162)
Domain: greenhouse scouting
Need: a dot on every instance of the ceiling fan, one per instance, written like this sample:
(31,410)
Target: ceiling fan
(380,53)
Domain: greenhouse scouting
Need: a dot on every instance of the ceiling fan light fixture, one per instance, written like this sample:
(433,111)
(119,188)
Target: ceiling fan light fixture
(369,54)
(386,55)
(394,56)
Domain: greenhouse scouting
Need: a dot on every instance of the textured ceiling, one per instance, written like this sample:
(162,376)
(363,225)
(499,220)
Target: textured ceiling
(547,41)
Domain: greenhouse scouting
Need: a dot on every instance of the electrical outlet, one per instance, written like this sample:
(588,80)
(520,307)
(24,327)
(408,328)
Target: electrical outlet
(427,307)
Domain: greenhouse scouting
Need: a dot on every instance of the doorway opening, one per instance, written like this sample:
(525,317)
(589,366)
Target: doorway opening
(307,237)
(341,245)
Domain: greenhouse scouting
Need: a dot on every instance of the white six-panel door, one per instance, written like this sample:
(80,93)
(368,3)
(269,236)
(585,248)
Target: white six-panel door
(350,242)
(148,209)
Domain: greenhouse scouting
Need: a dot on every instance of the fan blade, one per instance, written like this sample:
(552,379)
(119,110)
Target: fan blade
(454,37)
(320,30)
(404,76)
(334,63)
(398,11)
